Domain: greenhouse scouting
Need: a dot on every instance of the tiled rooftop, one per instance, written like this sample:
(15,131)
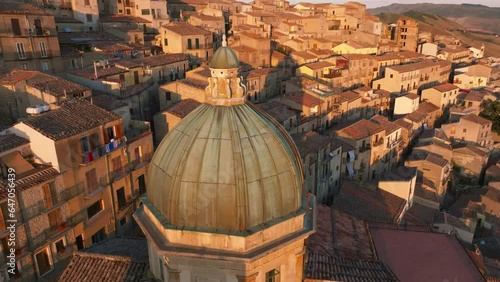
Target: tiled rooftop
(30,178)
(70,119)
(476,119)
(383,121)
(122,19)
(310,142)
(55,85)
(194,83)
(469,149)
(331,268)
(419,214)
(304,99)
(161,60)
(350,96)
(445,87)
(183,107)
(426,257)
(367,205)
(21,8)
(107,101)
(444,218)
(279,111)
(11,141)
(85,37)
(414,66)
(319,65)
(183,28)
(401,173)
(362,129)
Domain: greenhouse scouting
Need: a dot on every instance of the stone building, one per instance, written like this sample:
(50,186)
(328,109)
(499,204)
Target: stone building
(28,38)
(78,184)
(242,214)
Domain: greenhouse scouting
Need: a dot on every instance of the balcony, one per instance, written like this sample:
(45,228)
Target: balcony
(129,4)
(52,232)
(138,163)
(120,173)
(379,142)
(47,204)
(392,144)
(325,177)
(95,154)
(65,6)
(332,75)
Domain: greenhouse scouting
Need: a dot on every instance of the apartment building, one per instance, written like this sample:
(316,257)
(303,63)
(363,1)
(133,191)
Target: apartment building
(443,95)
(393,142)
(263,84)
(166,120)
(368,139)
(214,24)
(405,104)
(434,171)
(474,76)
(470,128)
(191,87)
(455,54)
(22,89)
(410,77)
(86,176)
(321,158)
(181,37)
(355,48)
(406,33)
(253,50)
(125,80)
(28,38)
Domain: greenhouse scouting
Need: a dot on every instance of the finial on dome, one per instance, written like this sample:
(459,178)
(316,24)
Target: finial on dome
(224,42)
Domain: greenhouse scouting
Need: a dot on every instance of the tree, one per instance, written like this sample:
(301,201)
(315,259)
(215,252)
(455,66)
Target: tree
(491,112)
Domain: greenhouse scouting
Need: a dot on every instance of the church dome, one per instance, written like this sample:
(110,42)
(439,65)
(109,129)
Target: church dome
(225,168)
(224,57)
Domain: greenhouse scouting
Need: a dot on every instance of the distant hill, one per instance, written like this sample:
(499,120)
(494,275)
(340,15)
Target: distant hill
(470,16)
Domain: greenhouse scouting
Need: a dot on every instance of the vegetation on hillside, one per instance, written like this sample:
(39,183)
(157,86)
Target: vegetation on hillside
(492,112)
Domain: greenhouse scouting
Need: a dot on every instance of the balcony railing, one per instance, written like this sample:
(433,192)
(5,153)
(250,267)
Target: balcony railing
(47,203)
(25,32)
(52,231)
(325,177)
(394,143)
(379,142)
(95,154)
(129,4)
(135,164)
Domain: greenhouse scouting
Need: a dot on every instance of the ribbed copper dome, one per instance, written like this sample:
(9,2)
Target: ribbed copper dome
(224,58)
(225,168)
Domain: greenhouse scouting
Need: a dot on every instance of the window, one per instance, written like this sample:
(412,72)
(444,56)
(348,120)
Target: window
(145,12)
(99,236)
(43,51)
(79,242)
(87,2)
(142,184)
(45,66)
(165,42)
(89,18)
(123,221)
(197,43)
(60,245)
(16,28)
(94,209)
(24,66)
(43,262)
(464,130)
(168,96)
(120,195)
(190,44)
(92,184)
(273,276)
(20,51)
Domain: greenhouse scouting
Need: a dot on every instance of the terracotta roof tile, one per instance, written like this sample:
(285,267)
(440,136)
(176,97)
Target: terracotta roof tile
(367,205)
(21,8)
(122,19)
(419,214)
(445,87)
(304,99)
(183,28)
(55,85)
(476,119)
(183,108)
(330,268)
(161,60)
(37,175)
(319,65)
(280,112)
(70,119)
(362,129)
(10,141)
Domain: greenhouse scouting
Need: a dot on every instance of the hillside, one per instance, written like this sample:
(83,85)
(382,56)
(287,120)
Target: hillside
(471,17)
(441,25)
